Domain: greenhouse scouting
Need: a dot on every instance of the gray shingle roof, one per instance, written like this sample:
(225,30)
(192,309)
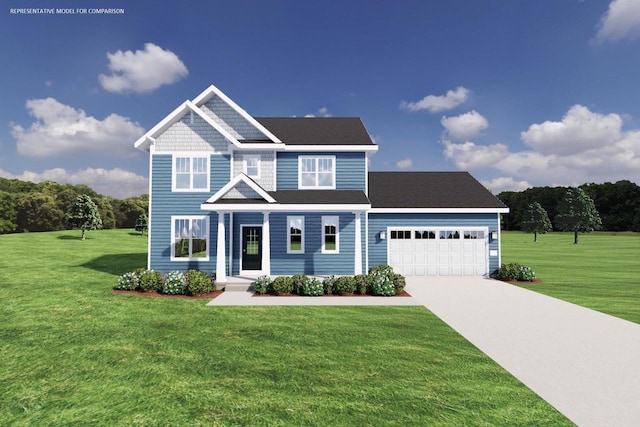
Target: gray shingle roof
(429,190)
(318,130)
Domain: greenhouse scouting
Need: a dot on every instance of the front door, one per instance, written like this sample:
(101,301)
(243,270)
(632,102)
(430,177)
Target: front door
(252,248)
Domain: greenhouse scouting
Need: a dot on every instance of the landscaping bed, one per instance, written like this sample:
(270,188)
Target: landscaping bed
(156,294)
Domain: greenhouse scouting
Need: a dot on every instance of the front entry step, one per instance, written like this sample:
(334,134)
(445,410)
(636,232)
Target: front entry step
(238,284)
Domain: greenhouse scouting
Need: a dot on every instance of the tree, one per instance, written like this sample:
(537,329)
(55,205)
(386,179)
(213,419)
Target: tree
(83,214)
(142,223)
(38,212)
(577,213)
(535,220)
(8,212)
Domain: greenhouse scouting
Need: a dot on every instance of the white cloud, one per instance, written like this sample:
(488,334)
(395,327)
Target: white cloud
(622,20)
(583,147)
(498,185)
(142,70)
(322,112)
(63,130)
(436,104)
(465,126)
(579,129)
(404,164)
(116,182)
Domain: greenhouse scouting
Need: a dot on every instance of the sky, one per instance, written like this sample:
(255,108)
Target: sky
(518,93)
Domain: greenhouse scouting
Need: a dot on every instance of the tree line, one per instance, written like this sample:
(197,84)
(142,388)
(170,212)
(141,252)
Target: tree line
(43,206)
(618,204)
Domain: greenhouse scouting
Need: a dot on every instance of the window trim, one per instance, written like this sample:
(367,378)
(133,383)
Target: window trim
(245,164)
(337,234)
(316,186)
(189,218)
(192,158)
(289,220)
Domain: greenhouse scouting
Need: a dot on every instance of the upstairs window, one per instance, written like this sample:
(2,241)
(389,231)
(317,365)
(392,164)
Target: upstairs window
(317,172)
(190,173)
(329,234)
(252,166)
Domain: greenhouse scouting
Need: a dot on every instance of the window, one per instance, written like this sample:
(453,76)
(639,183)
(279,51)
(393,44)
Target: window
(190,173)
(317,172)
(330,234)
(473,234)
(400,234)
(295,234)
(425,234)
(449,234)
(252,165)
(190,238)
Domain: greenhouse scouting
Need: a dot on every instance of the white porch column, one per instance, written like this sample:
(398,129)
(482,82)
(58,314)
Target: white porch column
(221,274)
(266,245)
(358,249)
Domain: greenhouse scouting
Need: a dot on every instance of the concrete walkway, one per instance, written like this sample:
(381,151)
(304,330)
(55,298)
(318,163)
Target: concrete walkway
(584,363)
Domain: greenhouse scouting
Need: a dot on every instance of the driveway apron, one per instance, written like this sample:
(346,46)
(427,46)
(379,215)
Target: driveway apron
(584,363)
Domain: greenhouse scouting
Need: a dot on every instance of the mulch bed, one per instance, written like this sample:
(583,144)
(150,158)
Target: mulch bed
(403,294)
(155,294)
(523,282)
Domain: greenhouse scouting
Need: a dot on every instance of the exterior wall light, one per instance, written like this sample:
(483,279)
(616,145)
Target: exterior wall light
(383,235)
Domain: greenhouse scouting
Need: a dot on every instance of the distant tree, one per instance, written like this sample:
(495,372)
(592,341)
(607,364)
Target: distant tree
(38,212)
(106,211)
(142,223)
(577,213)
(8,213)
(536,220)
(83,214)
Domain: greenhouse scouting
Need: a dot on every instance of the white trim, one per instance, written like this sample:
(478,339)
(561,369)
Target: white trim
(289,219)
(241,177)
(266,244)
(151,153)
(337,235)
(189,218)
(209,92)
(191,158)
(317,158)
(259,207)
(439,210)
(499,245)
(366,240)
(221,273)
(245,164)
(231,214)
(331,148)
(275,171)
(357,268)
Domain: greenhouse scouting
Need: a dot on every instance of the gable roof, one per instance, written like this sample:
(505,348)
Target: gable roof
(318,130)
(430,190)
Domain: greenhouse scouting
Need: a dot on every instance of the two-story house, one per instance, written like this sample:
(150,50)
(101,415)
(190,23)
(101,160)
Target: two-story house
(247,196)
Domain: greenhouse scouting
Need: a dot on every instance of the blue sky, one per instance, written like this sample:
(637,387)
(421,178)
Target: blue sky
(519,93)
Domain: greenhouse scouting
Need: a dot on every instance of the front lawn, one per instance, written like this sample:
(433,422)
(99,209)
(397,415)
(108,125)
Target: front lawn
(75,353)
(602,272)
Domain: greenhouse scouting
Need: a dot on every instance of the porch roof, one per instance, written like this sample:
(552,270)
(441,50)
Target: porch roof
(296,200)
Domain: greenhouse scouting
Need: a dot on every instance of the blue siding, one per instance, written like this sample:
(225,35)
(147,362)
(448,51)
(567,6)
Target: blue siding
(350,170)
(380,222)
(165,203)
(313,261)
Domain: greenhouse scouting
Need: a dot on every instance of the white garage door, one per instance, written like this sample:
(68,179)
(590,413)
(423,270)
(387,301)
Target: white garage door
(438,252)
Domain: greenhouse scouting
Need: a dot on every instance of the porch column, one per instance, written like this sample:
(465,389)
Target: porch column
(221,274)
(266,246)
(358,249)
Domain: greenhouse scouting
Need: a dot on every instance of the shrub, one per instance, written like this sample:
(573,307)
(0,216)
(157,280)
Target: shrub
(515,271)
(173,283)
(197,283)
(327,284)
(362,286)
(282,285)
(127,282)
(262,285)
(150,281)
(399,282)
(298,283)
(381,280)
(345,285)
(526,274)
(312,287)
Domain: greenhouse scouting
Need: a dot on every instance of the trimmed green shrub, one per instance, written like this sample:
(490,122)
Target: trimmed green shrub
(327,284)
(515,271)
(173,283)
(381,280)
(526,274)
(345,285)
(298,283)
(150,281)
(282,285)
(197,283)
(262,285)
(312,287)
(399,282)
(362,285)
(128,282)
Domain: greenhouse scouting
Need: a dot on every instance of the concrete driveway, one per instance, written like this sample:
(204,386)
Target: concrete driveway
(584,363)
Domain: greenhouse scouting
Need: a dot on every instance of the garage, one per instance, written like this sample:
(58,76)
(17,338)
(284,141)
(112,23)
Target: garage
(429,251)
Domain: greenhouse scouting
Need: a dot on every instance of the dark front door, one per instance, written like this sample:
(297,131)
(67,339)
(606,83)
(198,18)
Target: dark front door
(252,248)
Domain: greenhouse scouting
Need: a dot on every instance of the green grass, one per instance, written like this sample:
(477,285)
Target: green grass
(74,353)
(602,272)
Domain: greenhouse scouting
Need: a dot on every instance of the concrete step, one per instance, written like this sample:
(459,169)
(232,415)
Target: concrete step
(238,286)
